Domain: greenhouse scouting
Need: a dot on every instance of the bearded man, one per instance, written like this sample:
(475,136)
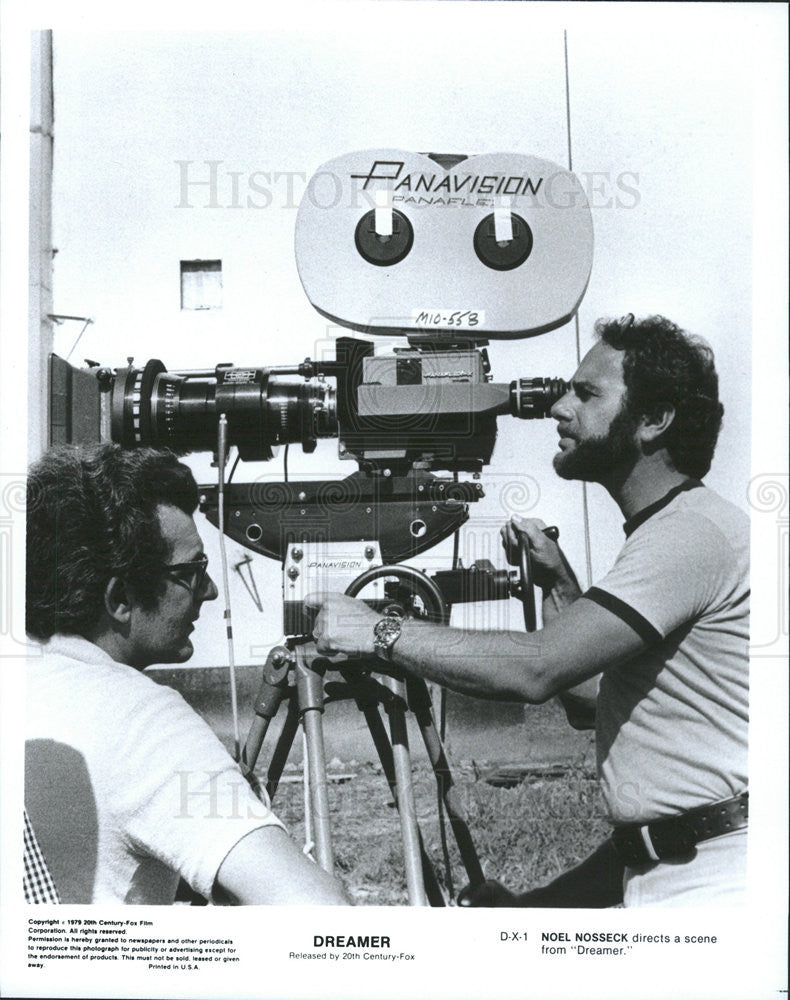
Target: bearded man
(659,647)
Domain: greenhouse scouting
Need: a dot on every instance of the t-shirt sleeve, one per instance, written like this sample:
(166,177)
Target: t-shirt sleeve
(669,572)
(181,798)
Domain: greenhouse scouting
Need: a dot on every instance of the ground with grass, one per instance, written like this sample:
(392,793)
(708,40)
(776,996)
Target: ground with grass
(549,819)
(524,835)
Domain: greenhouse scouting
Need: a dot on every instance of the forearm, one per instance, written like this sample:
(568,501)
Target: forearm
(563,592)
(500,665)
(580,703)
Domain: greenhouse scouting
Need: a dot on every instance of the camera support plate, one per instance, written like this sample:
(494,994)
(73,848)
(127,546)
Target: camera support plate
(407,514)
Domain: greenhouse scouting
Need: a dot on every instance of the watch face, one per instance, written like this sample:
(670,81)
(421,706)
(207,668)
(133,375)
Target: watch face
(387,629)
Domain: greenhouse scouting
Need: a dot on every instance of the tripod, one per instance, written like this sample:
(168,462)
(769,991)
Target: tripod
(297,674)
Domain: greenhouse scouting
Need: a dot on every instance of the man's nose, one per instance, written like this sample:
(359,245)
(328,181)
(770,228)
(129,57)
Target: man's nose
(209,591)
(562,408)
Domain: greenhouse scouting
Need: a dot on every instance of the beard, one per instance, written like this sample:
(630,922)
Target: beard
(597,458)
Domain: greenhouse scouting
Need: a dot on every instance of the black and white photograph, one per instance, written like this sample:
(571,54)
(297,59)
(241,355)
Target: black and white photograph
(394,500)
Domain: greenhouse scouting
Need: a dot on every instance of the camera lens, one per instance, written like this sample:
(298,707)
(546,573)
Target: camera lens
(161,409)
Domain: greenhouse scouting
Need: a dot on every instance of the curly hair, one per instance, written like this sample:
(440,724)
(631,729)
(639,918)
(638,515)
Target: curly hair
(91,515)
(666,366)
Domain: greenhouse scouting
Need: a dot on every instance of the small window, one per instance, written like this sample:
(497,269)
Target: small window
(201,284)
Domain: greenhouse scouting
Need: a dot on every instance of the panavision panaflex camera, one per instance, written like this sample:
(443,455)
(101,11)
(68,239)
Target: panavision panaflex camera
(448,252)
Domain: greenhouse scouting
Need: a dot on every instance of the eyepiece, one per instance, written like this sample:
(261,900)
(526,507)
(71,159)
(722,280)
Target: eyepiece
(531,398)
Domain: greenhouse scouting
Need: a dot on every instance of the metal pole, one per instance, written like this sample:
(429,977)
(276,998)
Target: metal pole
(396,710)
(310,687)
(420,701)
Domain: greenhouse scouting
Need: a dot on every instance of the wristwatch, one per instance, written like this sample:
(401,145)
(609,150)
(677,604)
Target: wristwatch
(386,633)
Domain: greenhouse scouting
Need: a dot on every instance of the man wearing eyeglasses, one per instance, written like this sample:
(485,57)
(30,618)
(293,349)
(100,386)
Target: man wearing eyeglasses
(127,790)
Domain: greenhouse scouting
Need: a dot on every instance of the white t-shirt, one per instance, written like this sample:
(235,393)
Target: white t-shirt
(126,786)
(672,723)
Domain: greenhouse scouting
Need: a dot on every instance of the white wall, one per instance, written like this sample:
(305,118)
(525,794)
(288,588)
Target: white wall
(661,129)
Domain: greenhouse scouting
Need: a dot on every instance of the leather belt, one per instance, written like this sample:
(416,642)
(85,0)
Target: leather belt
(677,835)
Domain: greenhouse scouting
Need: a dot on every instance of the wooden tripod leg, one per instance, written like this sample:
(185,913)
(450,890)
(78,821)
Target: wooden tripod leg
(310,688)
(396,710)
(283,747)
(420,702)
(274,687)
(367,694)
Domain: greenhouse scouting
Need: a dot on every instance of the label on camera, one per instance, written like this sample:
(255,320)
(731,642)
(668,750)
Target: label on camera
(458,319)
(239,375)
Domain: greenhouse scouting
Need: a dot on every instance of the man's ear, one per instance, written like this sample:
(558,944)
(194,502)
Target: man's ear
(653,425)
(117,601)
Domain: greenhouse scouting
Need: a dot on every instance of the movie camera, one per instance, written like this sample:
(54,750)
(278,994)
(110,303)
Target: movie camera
(446,254)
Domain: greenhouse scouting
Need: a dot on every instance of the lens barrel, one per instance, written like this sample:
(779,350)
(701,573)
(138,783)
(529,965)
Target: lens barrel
(161,409)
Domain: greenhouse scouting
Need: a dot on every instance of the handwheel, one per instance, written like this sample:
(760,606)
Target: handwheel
(526,591)
(421,585)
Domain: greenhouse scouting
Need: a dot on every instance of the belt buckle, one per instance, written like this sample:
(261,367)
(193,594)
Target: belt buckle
(670,838)
(647,840)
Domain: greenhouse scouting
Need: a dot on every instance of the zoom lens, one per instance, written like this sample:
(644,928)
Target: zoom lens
(161,409)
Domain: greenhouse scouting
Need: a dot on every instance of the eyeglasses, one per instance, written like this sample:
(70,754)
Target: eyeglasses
(196,567)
